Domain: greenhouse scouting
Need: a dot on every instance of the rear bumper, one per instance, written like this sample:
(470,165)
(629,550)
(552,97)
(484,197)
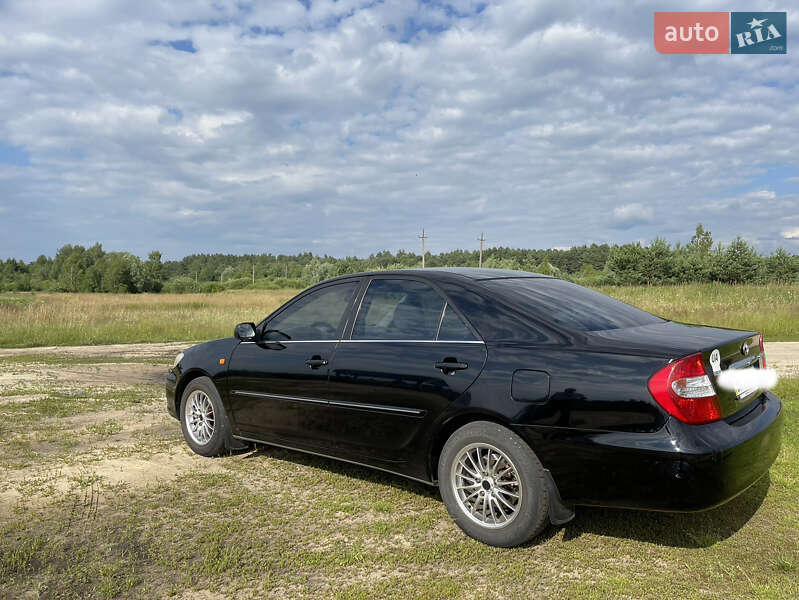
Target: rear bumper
(679,468)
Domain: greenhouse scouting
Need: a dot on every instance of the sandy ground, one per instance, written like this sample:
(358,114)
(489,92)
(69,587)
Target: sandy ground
(138,351)
(784,357)
(144,447)
(148,445)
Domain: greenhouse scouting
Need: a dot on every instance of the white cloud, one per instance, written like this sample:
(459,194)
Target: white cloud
(791,234)
(207,126)
(630,215)
(545,124)
(762,195)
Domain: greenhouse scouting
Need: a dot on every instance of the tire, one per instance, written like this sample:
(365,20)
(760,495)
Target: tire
(514,504)
(203,419)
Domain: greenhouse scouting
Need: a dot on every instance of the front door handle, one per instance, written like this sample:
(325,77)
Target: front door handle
(449,365)
(316,361)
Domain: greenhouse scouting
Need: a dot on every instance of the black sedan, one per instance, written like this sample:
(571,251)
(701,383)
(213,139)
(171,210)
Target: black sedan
(519,395)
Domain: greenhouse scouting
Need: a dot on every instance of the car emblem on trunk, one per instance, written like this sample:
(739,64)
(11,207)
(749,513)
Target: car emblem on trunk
(715,361)
(745,349)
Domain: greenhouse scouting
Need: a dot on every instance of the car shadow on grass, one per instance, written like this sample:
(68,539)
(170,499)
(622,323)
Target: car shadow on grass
(340,467)
(683,530)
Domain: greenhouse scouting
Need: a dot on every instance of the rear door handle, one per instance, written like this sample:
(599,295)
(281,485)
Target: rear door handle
(316,361)
(450,367)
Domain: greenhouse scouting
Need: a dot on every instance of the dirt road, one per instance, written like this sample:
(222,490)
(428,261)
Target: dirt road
(88,450)
(782,356)
(92,407)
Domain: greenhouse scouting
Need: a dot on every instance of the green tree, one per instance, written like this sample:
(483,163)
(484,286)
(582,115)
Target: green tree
(121,270)
(150,277)
(738,263)
(782,267)
(656,263)
(588,275)
(495,262)
(546,268)
(702,242)
(318,270)
(623,266)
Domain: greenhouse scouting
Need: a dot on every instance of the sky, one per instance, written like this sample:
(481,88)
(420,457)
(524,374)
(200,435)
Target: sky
(344,128)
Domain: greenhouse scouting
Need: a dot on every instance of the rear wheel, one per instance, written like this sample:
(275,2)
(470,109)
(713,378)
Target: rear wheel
(493,485)
(203,419)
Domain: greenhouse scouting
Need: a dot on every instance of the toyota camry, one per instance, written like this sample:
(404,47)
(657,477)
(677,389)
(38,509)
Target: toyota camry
(520,396)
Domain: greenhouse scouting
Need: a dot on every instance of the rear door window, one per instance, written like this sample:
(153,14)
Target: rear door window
(398,309)
(453,329)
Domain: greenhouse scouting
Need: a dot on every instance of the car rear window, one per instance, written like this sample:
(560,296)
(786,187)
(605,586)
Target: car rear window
(571,306)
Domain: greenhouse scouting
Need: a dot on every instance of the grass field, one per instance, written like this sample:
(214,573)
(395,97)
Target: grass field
(88,319)
(100,498)
(84,319)
(771,309)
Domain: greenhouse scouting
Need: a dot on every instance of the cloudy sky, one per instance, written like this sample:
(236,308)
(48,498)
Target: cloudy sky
(345,127)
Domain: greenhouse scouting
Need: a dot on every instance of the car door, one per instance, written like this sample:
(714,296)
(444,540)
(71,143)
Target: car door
(273,380)
(408,355)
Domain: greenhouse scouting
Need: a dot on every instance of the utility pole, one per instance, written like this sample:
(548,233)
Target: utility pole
(482,239)
(422,237)
(253,273)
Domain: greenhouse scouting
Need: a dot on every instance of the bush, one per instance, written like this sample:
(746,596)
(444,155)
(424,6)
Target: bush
(180,285)
(237,284)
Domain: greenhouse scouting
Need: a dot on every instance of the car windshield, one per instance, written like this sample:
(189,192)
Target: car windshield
(571,306)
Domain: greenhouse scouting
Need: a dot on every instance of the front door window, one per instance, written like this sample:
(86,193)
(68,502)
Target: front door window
(317,316)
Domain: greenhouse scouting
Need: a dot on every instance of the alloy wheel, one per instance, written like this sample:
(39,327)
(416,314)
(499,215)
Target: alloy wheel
(200,421)
(486,485)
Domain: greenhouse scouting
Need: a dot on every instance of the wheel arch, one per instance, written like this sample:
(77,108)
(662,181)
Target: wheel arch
(559,512)
(185,379)
(450,426)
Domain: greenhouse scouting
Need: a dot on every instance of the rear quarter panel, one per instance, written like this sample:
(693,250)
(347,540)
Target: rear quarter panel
(595,399)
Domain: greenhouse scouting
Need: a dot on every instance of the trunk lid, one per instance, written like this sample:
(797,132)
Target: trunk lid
(676,340)
(740,353)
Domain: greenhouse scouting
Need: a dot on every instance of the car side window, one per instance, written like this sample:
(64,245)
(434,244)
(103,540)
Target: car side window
(453,329)
(316,316)
(398,309)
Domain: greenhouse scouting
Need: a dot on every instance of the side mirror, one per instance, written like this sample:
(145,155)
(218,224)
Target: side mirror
(245,332)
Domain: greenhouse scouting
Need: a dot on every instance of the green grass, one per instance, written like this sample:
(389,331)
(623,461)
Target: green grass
(85,319)
(278,524)
(90,319)
(770,309)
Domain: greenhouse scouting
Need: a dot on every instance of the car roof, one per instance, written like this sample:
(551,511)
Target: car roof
(470,273)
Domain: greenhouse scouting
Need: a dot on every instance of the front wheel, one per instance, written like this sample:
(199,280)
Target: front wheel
(493,485)
(203,419)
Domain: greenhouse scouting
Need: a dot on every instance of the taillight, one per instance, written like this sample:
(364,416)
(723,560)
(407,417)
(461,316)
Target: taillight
(762,353)
(684,391)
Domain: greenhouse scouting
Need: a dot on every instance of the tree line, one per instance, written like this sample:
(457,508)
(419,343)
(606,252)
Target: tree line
(79,269)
